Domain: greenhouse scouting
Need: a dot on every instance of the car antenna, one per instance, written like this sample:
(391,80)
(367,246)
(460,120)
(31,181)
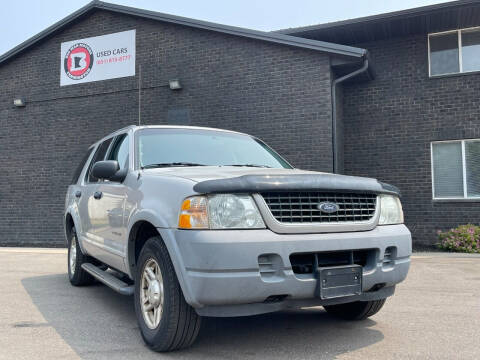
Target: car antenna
(139,93)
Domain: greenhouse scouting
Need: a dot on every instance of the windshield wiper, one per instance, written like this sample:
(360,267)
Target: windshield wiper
(250,165)
(172,164)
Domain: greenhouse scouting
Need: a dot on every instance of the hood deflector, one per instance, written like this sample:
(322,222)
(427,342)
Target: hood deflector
(300,182)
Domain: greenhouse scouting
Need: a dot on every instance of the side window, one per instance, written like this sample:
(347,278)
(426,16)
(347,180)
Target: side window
(454,52)
(80,166)
(120,151)
(98,156)
(456,169)
(444,54)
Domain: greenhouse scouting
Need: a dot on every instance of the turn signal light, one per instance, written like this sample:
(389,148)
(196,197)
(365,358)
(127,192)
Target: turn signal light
(193,213)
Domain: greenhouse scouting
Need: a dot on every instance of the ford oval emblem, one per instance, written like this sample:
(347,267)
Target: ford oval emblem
(328,207)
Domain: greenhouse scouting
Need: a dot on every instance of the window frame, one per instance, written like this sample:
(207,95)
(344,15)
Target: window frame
(460,58)
(115,141)
(464,172)
(86,178)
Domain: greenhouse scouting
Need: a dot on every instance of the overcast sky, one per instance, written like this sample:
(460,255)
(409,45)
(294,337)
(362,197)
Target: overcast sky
(21,19)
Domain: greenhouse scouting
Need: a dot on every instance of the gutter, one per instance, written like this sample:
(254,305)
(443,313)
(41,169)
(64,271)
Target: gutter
(334,108)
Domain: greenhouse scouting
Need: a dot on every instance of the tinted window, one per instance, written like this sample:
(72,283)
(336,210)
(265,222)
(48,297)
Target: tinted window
(80,166)
(163,146)
(444,54)
(98,156)
(119,151)
(472,162)
(447,169)
(471,50)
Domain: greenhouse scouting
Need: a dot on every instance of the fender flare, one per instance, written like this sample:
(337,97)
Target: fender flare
(167,236)
(139,216)
(72,211)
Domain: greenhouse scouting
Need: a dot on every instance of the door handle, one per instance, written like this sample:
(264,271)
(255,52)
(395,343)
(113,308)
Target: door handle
(78,193)
(97,195)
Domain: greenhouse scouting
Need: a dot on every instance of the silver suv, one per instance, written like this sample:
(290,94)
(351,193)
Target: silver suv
(204,222)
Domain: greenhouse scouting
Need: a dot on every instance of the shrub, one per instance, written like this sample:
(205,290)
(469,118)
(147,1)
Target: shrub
(465,238)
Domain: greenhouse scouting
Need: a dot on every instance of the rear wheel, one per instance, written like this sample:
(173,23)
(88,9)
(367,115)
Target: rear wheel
(76,275)
(358,310)
(166,321)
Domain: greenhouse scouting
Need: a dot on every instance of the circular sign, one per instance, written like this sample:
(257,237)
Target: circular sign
(78,61)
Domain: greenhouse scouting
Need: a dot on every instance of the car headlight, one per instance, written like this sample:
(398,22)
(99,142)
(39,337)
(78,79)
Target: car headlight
(390,210)
(222,211)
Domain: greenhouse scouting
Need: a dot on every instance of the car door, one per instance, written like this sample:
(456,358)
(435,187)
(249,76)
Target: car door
(111,207)
(90,212)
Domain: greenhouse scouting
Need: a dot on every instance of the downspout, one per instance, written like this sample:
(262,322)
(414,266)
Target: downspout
(334,108)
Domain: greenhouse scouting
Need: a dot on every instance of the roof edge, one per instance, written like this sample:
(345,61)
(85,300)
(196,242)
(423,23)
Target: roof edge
(383,16)
(234,30)
(227,29)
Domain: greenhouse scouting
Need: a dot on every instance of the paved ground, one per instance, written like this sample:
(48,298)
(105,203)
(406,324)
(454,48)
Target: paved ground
(435,314)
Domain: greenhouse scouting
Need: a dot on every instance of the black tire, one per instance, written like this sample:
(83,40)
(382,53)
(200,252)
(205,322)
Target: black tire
(179,323)
(359,310)
(78,277)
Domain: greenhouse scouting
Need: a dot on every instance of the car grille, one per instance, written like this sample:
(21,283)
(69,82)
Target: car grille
(302,207)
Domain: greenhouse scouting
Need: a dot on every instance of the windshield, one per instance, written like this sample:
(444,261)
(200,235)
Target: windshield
(187,147)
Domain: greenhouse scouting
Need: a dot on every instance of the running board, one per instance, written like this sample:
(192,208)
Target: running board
(108,279)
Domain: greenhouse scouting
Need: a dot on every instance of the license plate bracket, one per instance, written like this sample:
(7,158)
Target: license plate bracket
(340,281)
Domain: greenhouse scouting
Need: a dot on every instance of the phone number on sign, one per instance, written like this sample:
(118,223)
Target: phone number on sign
(114,59)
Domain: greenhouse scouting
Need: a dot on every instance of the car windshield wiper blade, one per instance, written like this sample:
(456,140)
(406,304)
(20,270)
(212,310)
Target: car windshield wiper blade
(172,164)
(250,165)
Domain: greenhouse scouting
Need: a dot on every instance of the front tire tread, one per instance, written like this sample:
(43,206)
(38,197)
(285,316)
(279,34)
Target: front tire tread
(182,322)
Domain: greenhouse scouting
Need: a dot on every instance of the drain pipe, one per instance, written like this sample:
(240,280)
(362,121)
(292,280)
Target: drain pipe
(334,108)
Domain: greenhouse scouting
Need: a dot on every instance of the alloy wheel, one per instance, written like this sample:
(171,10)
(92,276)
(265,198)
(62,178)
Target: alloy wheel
(151,294)
(73,254)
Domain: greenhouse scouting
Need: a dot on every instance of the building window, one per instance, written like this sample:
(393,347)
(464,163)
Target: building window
(454,52)
(456,169)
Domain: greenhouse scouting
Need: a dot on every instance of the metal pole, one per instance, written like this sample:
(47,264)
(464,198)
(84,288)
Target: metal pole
(139,94)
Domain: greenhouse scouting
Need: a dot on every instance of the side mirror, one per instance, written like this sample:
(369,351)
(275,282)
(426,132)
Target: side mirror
(108,170)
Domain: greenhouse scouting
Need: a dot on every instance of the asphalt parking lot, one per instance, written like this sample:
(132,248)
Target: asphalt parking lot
(435,314)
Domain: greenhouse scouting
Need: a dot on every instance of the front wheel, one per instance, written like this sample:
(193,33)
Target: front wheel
(166,321)
(359,310)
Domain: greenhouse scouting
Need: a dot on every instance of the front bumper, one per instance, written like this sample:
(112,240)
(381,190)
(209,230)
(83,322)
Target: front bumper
(219,269)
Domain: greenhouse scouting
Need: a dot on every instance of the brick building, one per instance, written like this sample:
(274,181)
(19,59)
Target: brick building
(357,97)
(416,124)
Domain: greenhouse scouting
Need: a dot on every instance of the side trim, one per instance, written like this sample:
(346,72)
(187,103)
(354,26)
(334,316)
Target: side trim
(101,245)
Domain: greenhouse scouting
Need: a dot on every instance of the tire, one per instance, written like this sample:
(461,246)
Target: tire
(76,275)
(359,310)
(177,324)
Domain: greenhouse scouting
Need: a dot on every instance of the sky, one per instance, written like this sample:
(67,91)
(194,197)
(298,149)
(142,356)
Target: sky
(21,19)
